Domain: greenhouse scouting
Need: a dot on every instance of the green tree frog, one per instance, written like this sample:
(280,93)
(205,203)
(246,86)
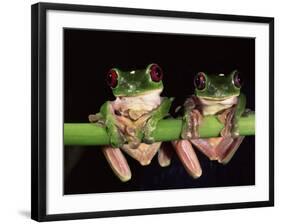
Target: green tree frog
(132,117)
(217,95)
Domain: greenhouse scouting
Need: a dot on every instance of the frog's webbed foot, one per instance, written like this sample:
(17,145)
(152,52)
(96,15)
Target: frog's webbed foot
(149,128)
(191,120)
(221,149)
(231,128)
(230,124)
(191,125)
(116,138)
(117,162)
(165,154)
(225,153)
(188,157)
(155,116)
(96,118)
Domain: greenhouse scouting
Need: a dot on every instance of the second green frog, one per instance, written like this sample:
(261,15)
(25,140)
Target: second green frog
(217,95)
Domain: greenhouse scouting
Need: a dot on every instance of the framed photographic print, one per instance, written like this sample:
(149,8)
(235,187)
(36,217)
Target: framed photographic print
(138,111)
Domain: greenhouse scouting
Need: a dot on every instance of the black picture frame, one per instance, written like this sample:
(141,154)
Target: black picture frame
(39,123)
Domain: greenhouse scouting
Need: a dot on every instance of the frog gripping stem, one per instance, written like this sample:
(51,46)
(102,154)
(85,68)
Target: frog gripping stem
(166,130)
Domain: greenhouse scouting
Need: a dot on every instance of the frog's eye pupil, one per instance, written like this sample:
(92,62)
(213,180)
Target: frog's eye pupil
(237,80)
(112,78)
(156,73)
(200,81)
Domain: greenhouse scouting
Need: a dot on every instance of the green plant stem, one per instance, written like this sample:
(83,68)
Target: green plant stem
(167,130)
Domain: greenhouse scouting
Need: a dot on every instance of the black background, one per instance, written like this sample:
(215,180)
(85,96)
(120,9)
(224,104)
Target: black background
(89,54)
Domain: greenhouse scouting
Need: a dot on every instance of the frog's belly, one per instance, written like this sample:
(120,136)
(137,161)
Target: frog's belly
(144,153)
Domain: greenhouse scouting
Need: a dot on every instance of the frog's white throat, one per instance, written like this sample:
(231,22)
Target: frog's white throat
(146,102)
(211,107)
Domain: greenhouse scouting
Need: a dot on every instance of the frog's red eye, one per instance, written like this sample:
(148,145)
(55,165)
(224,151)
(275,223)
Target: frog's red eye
(237,80)
(200,81)
(112,78)
(156,73)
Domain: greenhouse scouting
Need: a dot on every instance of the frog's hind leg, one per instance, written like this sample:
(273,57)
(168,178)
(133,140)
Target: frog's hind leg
(165,154)
(225,154)
(221,149)
(117,162)
(188,157)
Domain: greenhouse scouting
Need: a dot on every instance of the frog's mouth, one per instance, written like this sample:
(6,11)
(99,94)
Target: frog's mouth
(222,100)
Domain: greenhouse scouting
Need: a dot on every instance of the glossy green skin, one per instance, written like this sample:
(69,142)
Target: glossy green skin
(134,83)
(218,87)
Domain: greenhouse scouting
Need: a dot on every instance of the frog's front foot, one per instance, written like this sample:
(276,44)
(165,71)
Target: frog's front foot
(235,133)
(148,131)
(231,128)
(230,124)
(148,138)
(191,122)
(116,139)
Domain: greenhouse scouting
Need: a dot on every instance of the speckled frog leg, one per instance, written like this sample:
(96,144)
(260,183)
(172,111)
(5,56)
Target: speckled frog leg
(231,117)
(113,155)
(156,115)
(214,148)
(108,119)
(223,148)
(191,119)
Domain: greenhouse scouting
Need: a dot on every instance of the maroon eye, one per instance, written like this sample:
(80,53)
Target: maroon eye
(237,81)
(112,78)
(156,73)
(200,81)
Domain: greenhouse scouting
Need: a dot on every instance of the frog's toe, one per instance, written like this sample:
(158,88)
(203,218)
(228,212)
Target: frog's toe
(186,135)
(234,133)
(93,118)
(165,154)
(148,138)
